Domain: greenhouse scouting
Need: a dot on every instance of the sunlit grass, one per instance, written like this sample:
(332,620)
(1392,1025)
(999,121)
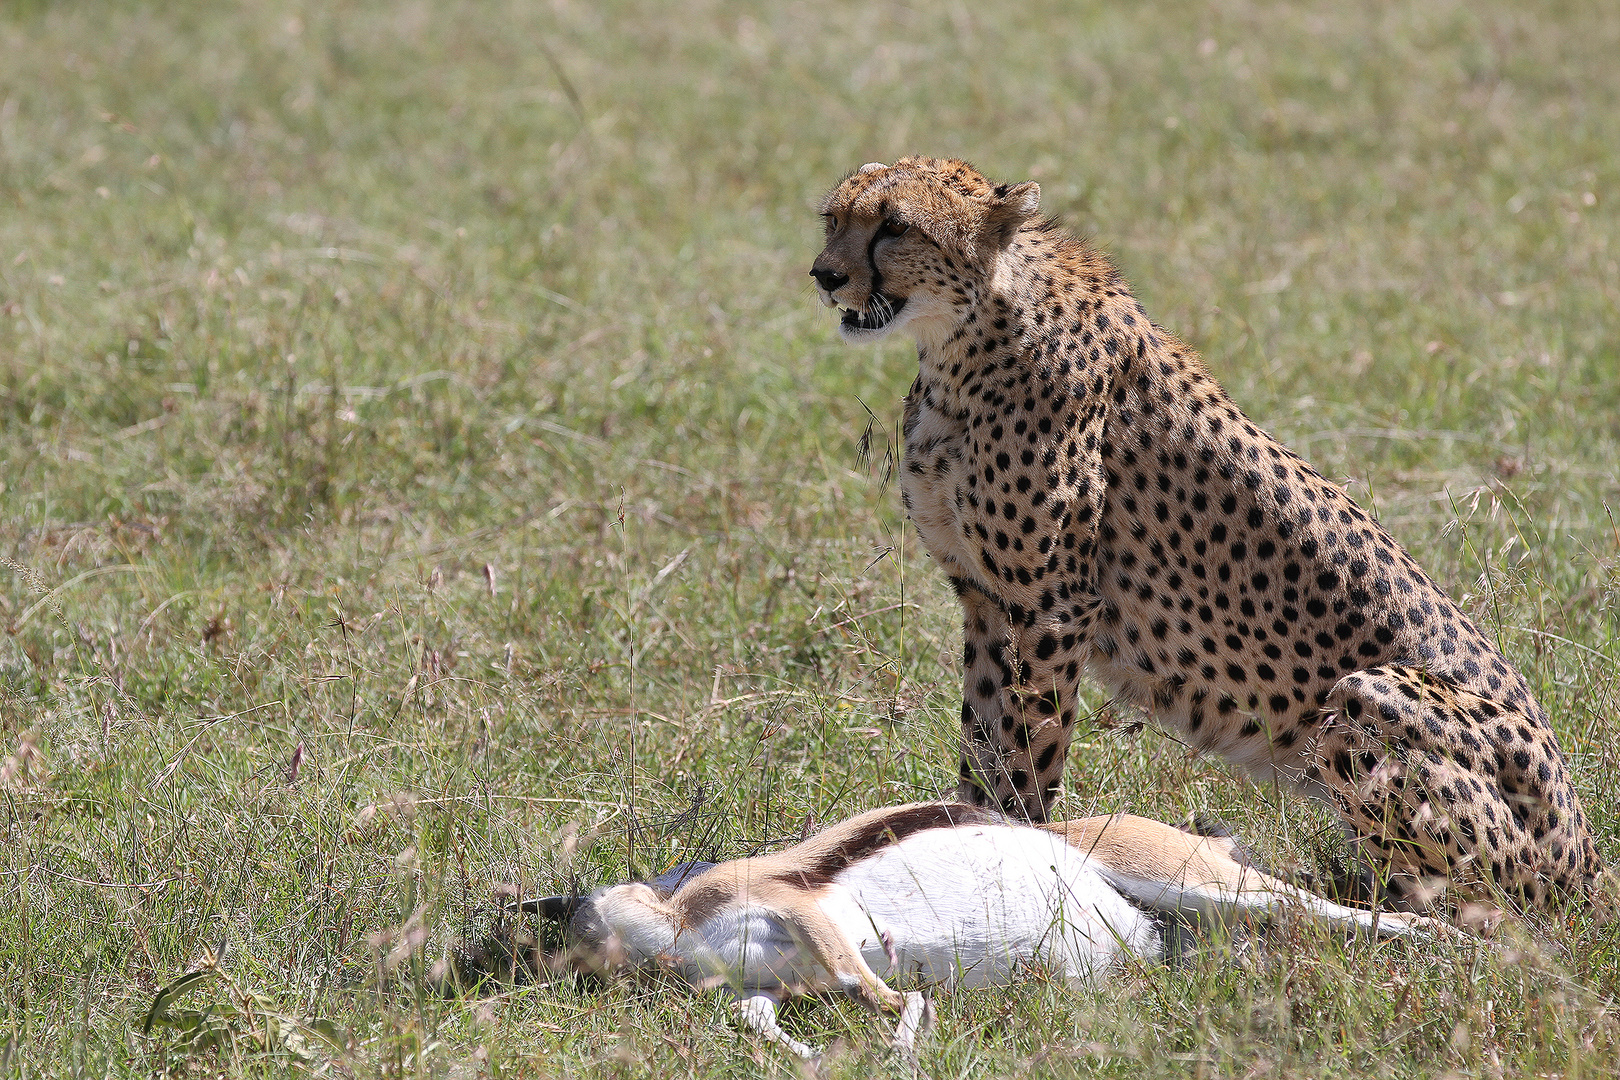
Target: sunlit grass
(424,470)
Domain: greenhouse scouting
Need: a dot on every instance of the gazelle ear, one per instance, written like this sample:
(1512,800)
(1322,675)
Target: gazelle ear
(555,908)
(667,883)
(871,166)
(1012,205)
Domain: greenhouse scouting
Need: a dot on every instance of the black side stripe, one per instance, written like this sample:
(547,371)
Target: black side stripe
(880,834)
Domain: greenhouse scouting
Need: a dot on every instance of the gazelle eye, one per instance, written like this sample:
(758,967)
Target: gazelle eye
(891,227)
(832,222)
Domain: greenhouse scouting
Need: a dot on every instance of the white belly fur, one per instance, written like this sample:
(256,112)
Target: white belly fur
(966,906)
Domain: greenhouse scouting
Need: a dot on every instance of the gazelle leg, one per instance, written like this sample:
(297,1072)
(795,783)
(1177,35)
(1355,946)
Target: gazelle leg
(1380,924)
(831,950)
(916,1018)
(758,1012)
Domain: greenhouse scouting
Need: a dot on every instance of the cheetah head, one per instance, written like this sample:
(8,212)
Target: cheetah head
(909,245)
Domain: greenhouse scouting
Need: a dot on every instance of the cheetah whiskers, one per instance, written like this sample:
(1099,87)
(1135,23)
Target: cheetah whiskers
(878,309)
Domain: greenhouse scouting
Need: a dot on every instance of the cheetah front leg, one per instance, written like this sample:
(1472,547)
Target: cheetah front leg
(1025,646)
(1018,707)
(986,676)
(1042,704)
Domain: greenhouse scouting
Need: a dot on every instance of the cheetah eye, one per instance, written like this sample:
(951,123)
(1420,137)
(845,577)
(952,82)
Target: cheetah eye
(891,227)
(831,221)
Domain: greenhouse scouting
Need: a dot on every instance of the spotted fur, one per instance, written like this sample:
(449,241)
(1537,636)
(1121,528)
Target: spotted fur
(1100,504)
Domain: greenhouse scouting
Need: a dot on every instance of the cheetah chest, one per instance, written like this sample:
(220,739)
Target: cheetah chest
(935,484)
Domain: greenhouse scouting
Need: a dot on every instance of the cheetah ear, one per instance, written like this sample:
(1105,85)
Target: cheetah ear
(1012,205)
(871,166)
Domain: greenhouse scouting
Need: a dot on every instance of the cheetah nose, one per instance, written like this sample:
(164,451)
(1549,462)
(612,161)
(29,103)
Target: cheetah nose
(831,280)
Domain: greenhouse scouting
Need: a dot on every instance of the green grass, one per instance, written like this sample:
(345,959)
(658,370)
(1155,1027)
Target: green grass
(309,313)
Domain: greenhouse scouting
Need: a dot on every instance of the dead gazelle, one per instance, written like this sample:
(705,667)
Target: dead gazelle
(936,894)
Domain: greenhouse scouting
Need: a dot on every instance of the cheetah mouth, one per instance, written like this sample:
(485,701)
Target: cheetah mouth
(880,312)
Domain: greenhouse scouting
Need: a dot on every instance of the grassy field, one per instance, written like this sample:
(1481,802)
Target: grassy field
(425,473)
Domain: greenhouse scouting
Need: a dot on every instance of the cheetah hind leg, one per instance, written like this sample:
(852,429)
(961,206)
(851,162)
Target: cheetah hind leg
(1432,802)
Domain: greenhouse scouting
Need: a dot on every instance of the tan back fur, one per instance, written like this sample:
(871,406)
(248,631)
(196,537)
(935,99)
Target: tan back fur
(1154,851)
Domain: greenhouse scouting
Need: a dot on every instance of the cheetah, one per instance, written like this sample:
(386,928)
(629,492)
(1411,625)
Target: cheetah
(1099,503)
